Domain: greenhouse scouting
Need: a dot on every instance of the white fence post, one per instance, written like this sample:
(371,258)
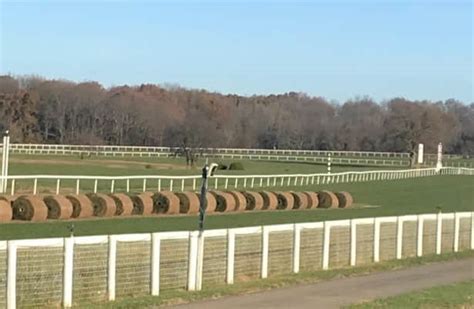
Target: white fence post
(296,248)
(111,269)
(457,222)
(230,256)
(68,271)
(419,236)
(192,260)
(326,240)
(439,229)
(11,275)
(353,242)
(376,240)
(155,264)
(265,239)
(472,230)
(200,261)
(399,237)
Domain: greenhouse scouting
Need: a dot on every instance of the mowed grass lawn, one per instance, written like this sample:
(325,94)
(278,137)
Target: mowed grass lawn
(459,295)
(383,198)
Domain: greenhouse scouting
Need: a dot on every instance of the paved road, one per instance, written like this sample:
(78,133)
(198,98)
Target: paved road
(341,292)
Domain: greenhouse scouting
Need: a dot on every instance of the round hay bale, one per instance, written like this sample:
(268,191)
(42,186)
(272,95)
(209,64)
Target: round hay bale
(327,199)
(313,200)
(211,203)
(301,200)
(30,208)
(270,201)
(124,204)
(225,201)
(104,205)
(6,212)
(81,206)
(240,200)
(345,199)
(285,200)
(166,202)
(142,203)
(59,207)
(188,202)
(254,200)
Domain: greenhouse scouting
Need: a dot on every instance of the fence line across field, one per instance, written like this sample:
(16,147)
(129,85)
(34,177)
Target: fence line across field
(182,183)
(107,267)
(34,148)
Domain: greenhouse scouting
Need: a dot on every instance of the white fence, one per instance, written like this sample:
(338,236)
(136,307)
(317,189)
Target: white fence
(150,150)
(73,270)
(35,184)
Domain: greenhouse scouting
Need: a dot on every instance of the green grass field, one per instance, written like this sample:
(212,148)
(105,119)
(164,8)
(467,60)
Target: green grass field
(386,198)
(459,295)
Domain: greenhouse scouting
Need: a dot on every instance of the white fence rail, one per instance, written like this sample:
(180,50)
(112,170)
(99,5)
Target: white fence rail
(67,271)
(145,150)
(35,184)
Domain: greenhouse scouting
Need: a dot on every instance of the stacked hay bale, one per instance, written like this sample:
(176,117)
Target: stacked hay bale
(270,201)
(327,199)
(59,207)
(301,200)
(29,208)
(225,201)
(285,200)
(188,203)
(165,202)
(81,206)
(253,200)
(313,200)
(240,200)
(104,205)
(124,204)
(142,204)
(345,199)
(6,212)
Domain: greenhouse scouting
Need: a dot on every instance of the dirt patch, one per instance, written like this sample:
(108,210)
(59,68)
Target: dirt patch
(103,163)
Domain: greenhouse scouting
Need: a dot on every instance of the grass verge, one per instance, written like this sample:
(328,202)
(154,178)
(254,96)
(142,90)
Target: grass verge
(217,291)
(459,295)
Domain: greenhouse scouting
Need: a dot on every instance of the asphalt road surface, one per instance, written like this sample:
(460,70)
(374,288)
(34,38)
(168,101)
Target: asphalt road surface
(342,292)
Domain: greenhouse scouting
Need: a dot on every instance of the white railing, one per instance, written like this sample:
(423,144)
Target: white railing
(56,183)
(150,150)
(73,270)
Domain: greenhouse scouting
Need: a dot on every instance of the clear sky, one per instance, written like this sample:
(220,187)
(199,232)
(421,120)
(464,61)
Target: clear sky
(418,49)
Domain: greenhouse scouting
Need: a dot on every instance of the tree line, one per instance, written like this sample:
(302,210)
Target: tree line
(37,110)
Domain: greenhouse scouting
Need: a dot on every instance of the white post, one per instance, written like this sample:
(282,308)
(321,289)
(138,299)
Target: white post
(472,230)
(11,275)
(68,271)
(200,261)
(296,248)
(111,267)
(155,264)
(326,240)
(376,240)
(230,256)
(420,153)
(399,237)
(439,163)
(4,152)
(439,229)
(353,242)
(192,259)
(265,239)
(419,236)
(457,222)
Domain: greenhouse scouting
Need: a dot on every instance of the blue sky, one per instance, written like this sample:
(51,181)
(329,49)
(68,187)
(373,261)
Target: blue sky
(336,49)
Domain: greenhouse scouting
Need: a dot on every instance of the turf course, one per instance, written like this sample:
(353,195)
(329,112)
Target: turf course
(384,198)
(459,295)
